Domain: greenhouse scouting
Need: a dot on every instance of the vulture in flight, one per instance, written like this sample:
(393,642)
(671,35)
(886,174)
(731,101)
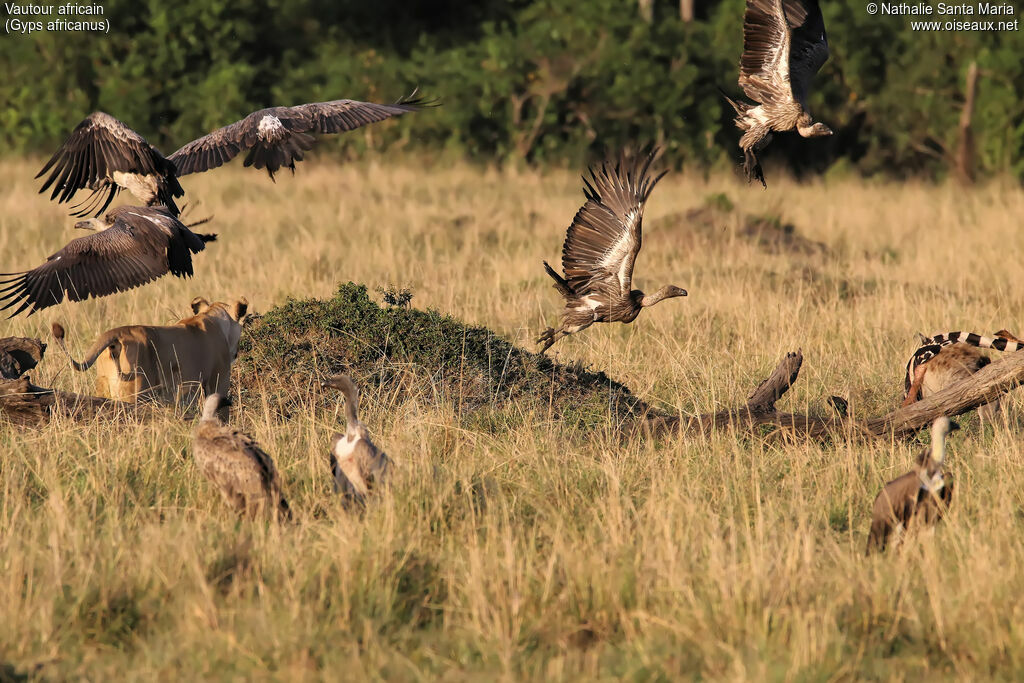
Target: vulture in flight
(600,249)
(784,46)
(104,155)
(133,245)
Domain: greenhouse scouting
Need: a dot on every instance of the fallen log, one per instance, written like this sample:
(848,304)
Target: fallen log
(758,410)
(18,355)
(983,387)
(25,404)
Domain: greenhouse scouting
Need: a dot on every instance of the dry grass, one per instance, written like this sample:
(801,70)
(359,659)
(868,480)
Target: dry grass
(526,553)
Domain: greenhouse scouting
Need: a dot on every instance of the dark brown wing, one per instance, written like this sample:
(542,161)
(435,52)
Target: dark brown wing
(278,136)
(764,65)
(139,247)
(95,149)
(808,44)
(605,236)
(895,503)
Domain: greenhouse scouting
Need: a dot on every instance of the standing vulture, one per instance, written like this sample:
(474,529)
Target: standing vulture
(919,497)
(105,156)
(600,249)
(242,471)
(134,245)
(784,46)
(357,465)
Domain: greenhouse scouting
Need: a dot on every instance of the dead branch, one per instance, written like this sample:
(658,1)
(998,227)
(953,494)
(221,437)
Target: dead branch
(983,387)
(18,355)
(28,405)
(763,398)
(759,410)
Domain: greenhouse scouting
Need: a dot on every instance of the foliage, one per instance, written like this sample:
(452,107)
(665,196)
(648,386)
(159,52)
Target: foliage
(433,357)
(546,81)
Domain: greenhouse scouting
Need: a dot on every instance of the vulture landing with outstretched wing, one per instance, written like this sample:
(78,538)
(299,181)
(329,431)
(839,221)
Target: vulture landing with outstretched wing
(104,155)
(133,245)
(784,46)
(278,137)
(600,250)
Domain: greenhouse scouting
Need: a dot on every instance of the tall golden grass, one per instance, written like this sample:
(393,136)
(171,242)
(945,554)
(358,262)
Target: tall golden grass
(530,553)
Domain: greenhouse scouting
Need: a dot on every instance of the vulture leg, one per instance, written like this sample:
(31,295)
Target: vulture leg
(549,337)
(752,168)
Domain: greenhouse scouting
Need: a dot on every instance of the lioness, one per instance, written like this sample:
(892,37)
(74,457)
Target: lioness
(170,364)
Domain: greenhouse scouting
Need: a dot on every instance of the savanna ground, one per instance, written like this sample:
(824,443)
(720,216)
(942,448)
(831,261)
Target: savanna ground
(525,549)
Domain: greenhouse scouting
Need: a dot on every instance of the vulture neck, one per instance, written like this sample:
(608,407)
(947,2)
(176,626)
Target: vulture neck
(805,125)
(210,408)
(938,444)
(660,295)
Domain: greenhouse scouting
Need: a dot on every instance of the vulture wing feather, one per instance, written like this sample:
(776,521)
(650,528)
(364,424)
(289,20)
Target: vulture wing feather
(604,239)
(283,133)
(808,49)
(130,253)
(96,148)
(764,65)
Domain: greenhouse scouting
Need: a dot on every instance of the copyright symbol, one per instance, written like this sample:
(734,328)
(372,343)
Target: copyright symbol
(872,8)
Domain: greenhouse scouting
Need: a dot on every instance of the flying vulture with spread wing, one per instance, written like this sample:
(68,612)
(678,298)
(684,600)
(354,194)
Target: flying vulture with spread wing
(133,245)
(784,46)
(600,250)
(106,156)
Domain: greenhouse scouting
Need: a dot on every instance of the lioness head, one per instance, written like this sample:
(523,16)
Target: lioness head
(229,316)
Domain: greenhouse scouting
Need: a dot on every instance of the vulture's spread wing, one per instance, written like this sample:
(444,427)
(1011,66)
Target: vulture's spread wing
(277,137)
(97,148)
(764,65)
(605,236)
(808,45)
(140,246)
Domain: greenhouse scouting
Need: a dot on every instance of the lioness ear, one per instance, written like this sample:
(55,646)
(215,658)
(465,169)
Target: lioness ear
(241,306)
(199,304)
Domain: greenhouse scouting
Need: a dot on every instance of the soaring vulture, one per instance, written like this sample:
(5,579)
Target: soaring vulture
(134,245)
(242,471)
(919,497)
(784,46)
(357,465)
(105,156)
(600,249)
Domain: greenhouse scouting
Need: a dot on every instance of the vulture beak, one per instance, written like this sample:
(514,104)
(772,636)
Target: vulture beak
(85,225)
(953,426)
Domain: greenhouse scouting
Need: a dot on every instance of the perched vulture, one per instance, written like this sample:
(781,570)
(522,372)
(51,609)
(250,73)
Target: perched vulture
(243,471)
(919,497)
(105,156)
(134,245)
(357,465)
(600,249)
(784,46)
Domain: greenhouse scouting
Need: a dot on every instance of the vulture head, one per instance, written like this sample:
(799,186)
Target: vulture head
(666,292)
(807,129)
(91,224)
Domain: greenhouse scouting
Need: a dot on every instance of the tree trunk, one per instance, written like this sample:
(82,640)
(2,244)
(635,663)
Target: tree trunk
(647,10)
(965,148)
(686,11)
